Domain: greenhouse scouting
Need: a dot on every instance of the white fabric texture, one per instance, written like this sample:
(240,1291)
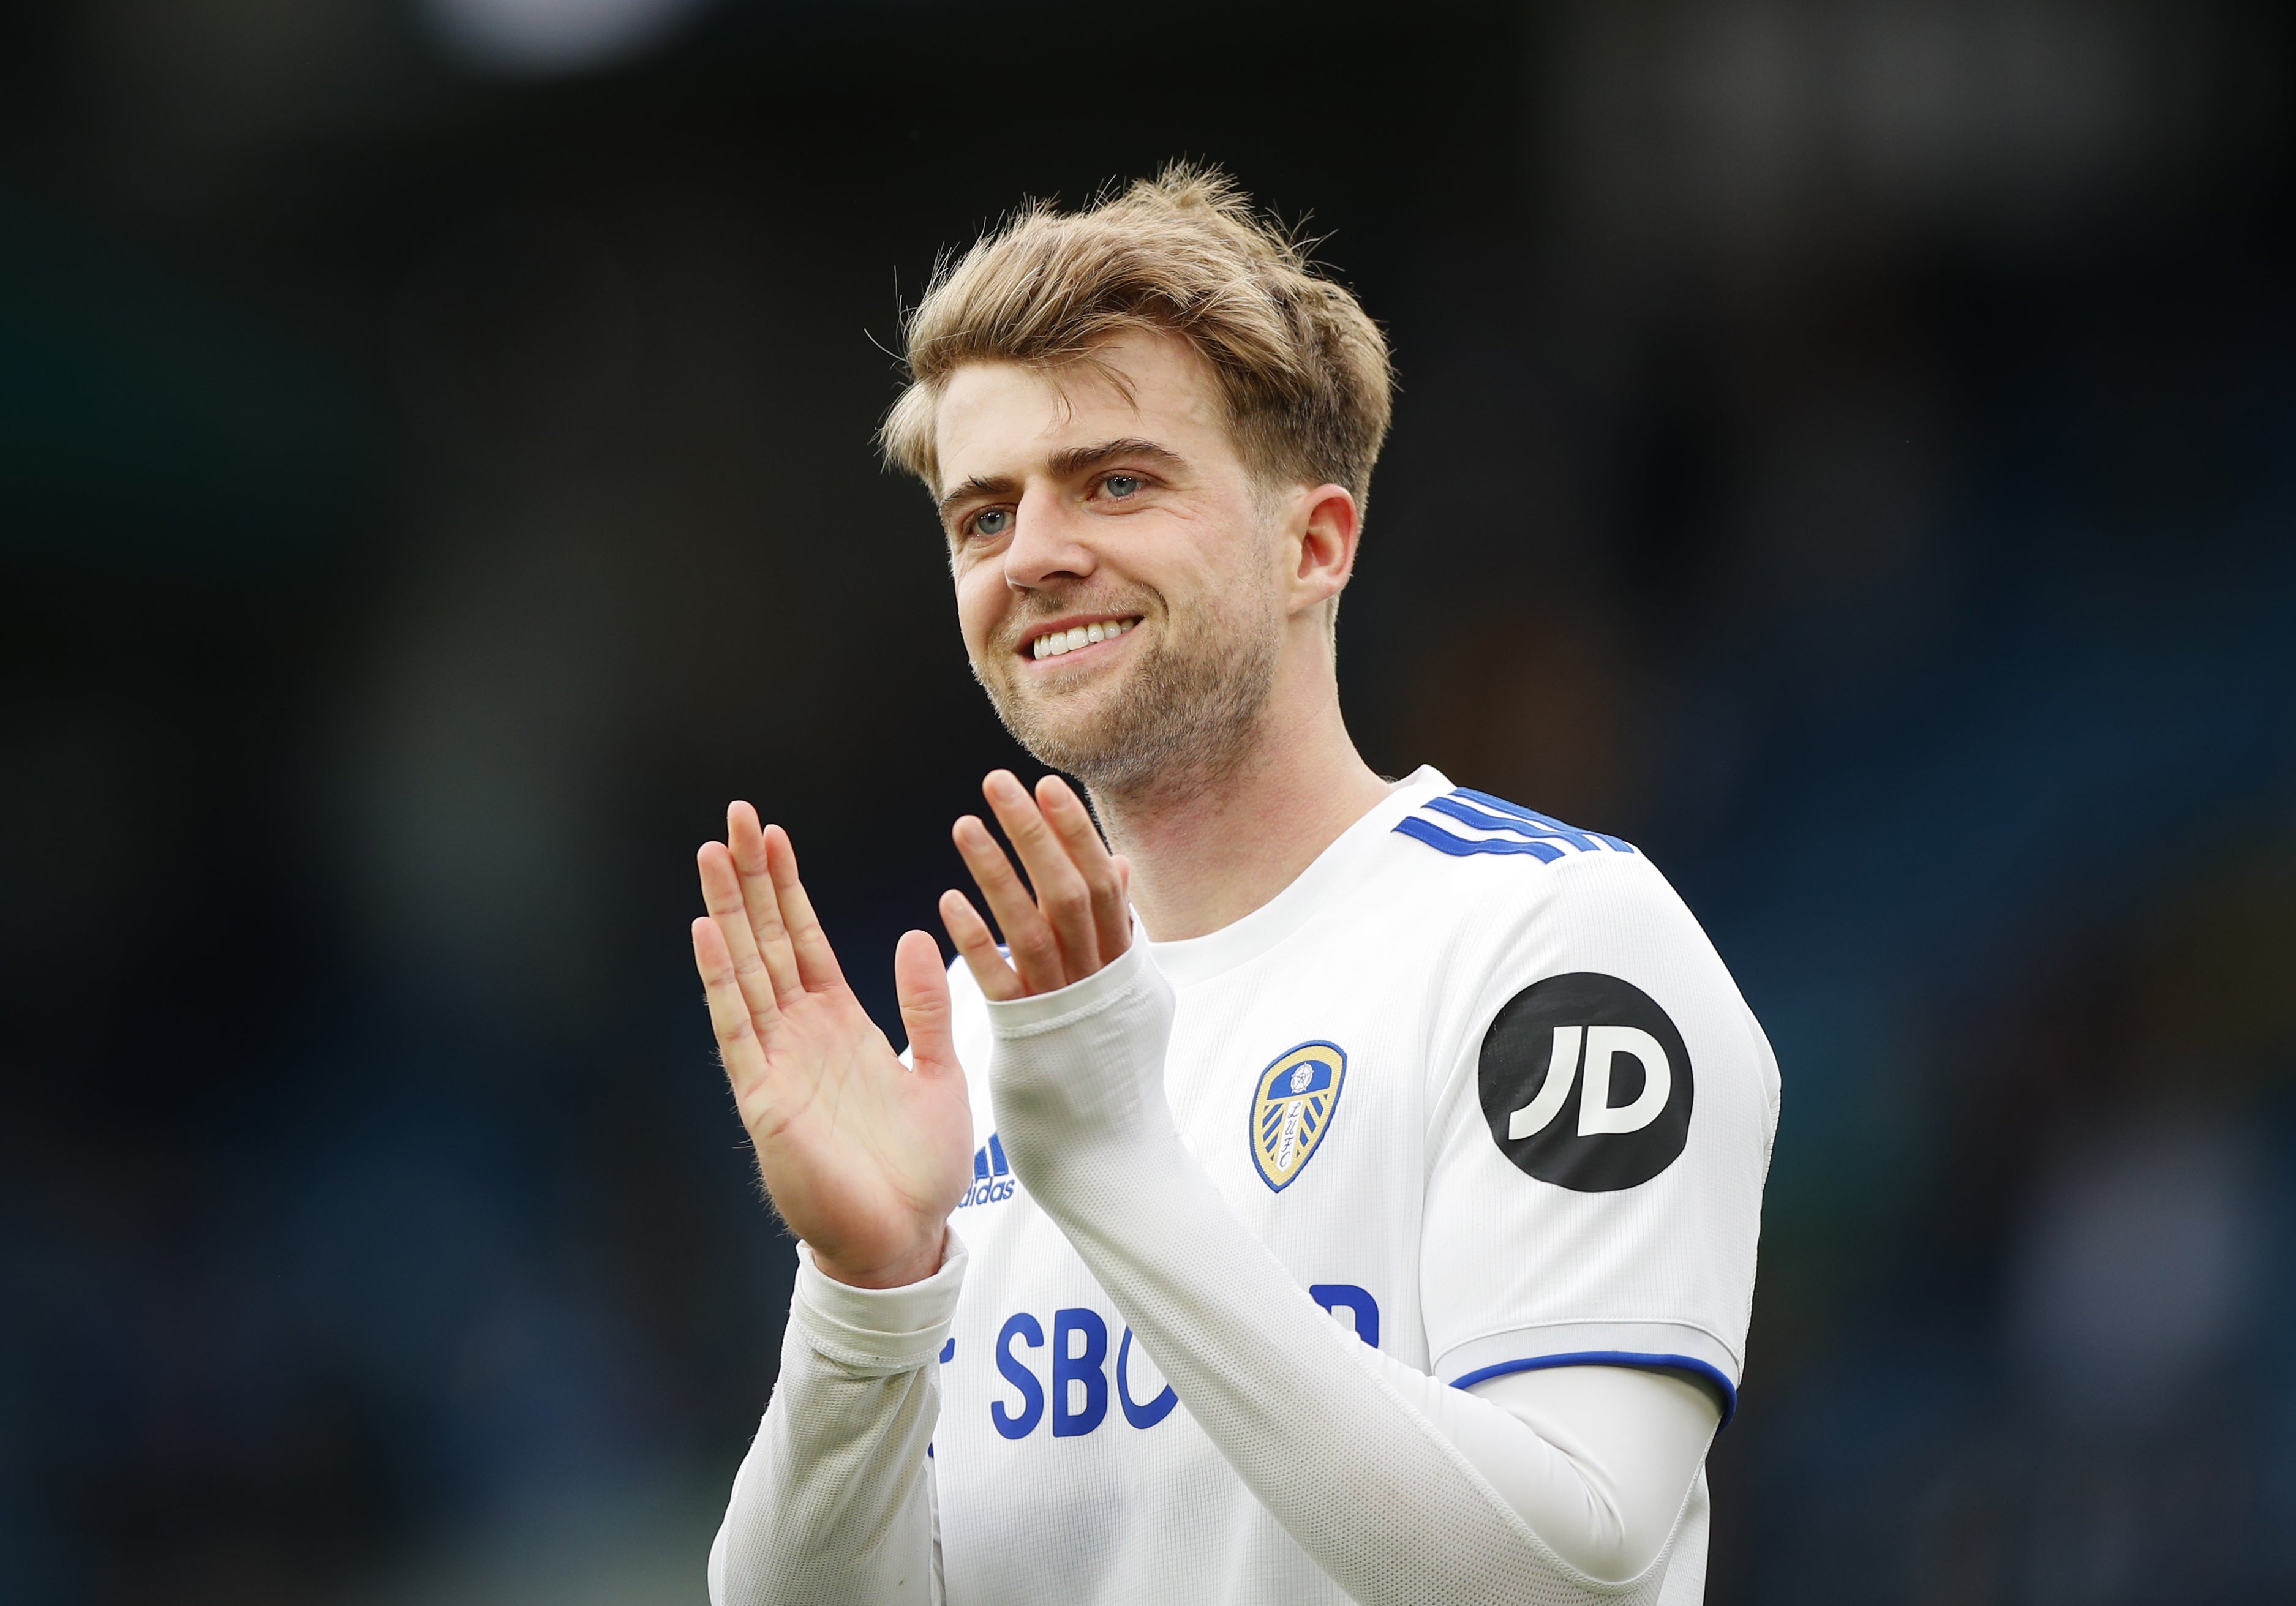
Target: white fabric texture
(1615,1451)
(1336,1439)
(1065,1468)
(834,1501)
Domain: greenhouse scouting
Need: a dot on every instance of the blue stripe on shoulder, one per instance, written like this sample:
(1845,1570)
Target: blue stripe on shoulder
(1443,841)
(1527,831)
(1580,838)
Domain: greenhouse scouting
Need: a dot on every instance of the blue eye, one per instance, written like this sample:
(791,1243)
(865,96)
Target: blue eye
(1120,486)
(996,521)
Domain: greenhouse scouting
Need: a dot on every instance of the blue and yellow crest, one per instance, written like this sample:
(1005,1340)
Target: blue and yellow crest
(1291,1109)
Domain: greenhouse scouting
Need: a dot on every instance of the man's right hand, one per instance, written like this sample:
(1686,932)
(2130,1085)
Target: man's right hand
(864,1157)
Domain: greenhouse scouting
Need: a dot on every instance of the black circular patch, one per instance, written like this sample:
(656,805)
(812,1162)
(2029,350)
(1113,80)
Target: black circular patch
(1606,1127)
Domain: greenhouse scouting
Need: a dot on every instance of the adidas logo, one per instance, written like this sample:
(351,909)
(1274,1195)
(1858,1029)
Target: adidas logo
(992,1177)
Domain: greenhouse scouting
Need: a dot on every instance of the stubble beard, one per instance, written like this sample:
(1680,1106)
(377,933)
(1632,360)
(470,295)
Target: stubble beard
(1184,718)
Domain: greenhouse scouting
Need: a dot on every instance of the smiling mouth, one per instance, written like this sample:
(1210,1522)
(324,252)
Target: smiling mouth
(1060,643)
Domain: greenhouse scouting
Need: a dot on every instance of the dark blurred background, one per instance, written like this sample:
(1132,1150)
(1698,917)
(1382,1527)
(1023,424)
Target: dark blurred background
(1849,447)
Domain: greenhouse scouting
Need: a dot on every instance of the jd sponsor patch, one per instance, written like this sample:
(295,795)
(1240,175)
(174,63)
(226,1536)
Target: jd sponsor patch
(1586,1083)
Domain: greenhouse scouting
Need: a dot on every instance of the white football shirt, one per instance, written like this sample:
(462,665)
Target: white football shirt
(1480,1082)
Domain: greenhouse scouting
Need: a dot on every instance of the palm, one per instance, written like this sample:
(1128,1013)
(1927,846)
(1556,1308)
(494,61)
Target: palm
(857,1146)
(863,1156)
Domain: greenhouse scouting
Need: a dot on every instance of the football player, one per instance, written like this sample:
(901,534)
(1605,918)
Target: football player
(1335,1188)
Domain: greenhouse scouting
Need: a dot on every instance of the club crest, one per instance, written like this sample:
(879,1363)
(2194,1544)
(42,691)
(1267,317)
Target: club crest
(1291,1109)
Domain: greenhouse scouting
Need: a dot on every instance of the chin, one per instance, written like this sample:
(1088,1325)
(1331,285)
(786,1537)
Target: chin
(1163,722)
(1077,742)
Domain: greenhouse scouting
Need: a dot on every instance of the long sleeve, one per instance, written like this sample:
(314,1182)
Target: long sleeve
(1402,1489)
(834,1503)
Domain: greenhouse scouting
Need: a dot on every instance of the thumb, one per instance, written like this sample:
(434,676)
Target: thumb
(920,985)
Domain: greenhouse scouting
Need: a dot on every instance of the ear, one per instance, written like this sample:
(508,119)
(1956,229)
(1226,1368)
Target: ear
(1328,526)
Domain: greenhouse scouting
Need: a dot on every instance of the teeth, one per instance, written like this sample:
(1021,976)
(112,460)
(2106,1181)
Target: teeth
(1057,641)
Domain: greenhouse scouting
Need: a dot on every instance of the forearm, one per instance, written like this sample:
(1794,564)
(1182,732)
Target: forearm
(1401,1490)
(1324,1430)
(834,1502)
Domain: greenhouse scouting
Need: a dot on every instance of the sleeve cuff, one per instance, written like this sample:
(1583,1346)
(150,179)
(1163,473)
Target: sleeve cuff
(879,1331)
(1104,988)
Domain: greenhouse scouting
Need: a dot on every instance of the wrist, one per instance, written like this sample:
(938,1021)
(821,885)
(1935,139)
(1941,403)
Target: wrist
(898,1271)
(1076,1076)
(1033,1013)
(876,1332)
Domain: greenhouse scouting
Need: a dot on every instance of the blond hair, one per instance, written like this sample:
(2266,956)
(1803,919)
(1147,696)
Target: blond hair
(1301,368)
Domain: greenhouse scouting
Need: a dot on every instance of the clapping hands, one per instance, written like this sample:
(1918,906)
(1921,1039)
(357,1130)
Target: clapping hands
(866,1157)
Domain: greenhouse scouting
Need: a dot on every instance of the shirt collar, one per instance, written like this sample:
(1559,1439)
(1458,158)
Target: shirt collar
(1200,958)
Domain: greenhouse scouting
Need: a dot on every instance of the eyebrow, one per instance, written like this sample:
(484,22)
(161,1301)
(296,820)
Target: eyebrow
(1076,460)
(1067,464)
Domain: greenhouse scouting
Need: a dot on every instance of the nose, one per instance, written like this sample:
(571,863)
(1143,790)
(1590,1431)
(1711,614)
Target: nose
(1048,544)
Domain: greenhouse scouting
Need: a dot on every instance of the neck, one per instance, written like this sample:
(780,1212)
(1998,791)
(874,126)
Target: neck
(1204,856)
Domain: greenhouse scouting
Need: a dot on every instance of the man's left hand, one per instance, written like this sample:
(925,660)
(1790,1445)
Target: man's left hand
(1080,915)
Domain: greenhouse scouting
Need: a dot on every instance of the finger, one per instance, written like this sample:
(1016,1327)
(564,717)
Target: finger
(1036,951)
(920,987)
(1073,824)
(738,1047)
(972,936)
(1061,890)
(721,895)
(747,845)
(817,964)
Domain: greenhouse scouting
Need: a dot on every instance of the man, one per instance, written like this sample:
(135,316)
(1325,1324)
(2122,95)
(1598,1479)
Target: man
(1345,1189)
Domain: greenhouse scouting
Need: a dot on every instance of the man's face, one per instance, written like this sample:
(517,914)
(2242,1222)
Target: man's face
(1122,593)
